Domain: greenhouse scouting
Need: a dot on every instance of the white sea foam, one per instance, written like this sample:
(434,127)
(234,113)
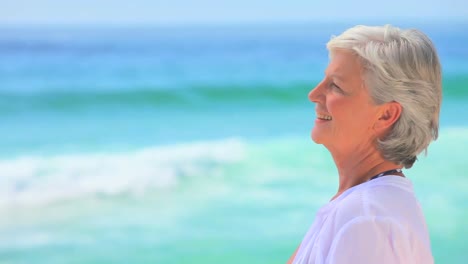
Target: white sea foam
(39,180)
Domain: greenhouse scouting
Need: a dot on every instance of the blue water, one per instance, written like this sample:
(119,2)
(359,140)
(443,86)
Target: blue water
(188,145)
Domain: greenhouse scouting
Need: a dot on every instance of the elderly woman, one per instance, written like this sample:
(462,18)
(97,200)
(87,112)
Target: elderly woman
(377,108)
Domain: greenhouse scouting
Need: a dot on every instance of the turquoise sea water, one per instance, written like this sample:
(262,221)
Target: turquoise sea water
(189,145)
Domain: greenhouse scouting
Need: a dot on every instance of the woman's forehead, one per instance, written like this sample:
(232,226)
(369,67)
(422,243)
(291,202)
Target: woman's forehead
(343,65)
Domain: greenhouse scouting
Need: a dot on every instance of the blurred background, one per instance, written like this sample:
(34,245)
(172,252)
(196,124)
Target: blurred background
(178,131)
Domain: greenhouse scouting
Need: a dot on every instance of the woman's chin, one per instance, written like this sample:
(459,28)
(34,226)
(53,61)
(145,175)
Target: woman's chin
(316,136)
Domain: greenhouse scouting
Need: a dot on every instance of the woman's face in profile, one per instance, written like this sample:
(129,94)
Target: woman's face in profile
(344,108)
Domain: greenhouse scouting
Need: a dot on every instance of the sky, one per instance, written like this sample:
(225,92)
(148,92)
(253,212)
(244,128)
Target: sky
(167,12)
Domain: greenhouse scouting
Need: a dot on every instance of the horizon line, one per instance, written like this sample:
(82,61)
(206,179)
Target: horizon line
(298,22)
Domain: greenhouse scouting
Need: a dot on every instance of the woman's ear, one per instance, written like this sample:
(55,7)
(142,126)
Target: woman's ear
(387,116)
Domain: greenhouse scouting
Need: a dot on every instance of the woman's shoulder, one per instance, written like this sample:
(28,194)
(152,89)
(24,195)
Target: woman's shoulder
(390,241)
(387,199)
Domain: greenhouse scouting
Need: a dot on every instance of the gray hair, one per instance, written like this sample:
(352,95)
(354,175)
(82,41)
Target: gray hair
(400,66)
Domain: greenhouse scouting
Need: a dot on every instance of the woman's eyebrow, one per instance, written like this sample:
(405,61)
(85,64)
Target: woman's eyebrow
(334,76)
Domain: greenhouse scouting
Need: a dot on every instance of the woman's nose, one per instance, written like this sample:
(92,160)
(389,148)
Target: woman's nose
(316,93)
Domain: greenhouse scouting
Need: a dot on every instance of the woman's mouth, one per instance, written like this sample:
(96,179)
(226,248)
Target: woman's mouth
(324,117)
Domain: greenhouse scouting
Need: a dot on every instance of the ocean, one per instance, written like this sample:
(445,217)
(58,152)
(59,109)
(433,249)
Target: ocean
(190,144)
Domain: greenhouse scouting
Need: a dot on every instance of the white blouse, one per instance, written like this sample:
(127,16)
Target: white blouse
(379,221)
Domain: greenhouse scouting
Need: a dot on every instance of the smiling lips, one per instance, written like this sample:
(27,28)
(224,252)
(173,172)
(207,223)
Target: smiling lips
(324,117)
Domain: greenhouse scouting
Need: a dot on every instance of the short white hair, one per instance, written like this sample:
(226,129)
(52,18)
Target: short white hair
(400,66)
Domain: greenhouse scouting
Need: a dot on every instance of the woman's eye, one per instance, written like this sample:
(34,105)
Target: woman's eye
(334,86)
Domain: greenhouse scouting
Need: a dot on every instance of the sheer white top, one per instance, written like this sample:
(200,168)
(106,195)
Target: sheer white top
(379,221)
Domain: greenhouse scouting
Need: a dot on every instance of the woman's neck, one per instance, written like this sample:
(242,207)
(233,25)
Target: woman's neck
(357,168)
